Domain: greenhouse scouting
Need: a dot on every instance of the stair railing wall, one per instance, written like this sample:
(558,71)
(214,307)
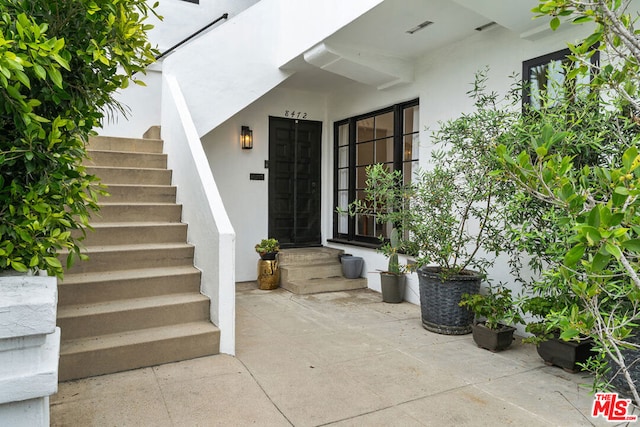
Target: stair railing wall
(210,229)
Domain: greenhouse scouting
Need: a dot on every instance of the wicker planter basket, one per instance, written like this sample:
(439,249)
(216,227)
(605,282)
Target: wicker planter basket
(632,359)
(439,300)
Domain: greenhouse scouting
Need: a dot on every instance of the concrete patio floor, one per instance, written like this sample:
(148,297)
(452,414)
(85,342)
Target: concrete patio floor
(339,359)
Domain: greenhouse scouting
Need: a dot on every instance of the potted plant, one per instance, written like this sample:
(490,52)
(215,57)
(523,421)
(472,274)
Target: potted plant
(448,217)
(268,269)
(384,200)
(268,249)
(392,281)
(495,315)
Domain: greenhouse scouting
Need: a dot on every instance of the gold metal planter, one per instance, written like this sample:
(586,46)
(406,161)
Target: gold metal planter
(268,274)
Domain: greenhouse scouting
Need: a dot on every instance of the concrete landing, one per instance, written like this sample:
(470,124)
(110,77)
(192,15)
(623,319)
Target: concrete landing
(335,359)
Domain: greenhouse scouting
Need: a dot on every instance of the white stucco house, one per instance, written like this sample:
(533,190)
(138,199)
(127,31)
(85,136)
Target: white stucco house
(326,87)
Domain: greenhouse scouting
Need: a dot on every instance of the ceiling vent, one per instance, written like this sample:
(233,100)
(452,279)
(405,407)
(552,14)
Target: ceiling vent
(419,27)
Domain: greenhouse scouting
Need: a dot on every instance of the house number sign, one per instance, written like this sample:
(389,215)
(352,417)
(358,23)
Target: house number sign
(295,114)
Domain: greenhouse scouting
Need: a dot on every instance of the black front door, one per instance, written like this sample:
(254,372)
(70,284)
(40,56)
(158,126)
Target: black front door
(294,181)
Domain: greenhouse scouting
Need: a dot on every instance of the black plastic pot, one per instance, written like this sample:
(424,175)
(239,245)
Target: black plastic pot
(565,354)
(268,256)
(440,299)
(492,339)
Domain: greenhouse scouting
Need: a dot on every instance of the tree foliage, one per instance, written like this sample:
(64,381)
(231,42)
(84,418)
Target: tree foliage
(60,63)
(583,167)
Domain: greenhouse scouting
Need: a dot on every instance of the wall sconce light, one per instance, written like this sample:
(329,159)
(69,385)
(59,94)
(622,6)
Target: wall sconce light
(246,138)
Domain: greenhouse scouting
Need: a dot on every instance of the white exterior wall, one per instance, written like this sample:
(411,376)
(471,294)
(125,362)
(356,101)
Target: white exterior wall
(218,99)
(442,80)
(237,63)
(247,201)
(202,208)
(181,18)
(142,104)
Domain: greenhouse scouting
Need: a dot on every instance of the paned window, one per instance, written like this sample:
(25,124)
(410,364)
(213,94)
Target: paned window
(545,79)
(388,136)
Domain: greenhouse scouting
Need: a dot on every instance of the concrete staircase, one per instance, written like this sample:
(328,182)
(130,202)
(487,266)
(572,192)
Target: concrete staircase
(314,270)
(136,301)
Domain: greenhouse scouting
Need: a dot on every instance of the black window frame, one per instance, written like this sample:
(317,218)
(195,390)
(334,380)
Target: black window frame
(559,55)
(399,161)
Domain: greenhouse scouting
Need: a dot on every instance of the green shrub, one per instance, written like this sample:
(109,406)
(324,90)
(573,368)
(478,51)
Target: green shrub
(60,63)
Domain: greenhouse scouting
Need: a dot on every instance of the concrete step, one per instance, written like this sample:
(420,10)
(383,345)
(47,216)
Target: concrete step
(154,132)
(98,355)
(312,271)
(104,286)
(126,159)
(308,256)
(136,176)
(79,321)
(332,284)
(121,193)
(133,257)
(113,233)
(136,302)
(110,143)
(140,212)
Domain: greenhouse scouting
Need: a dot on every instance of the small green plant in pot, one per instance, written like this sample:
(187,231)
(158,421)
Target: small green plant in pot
(495,314)
(393,280)
(268,248)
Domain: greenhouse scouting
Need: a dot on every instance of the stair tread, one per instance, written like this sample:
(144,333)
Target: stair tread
(98,150)
(133,247)
(138,204)
(114,275)
(139,336)
(128,304)
(329,284)
(306,266)
(136,224)
(140,185)
(123,138)
(125,168)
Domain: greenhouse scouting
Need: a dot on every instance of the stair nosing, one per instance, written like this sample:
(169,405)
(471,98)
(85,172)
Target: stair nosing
(141,185)
(114,275)
(144,153)
(95,249)
(126,168)
(136,224)
(129,304)
(104,342)
(138,204)
(123,138)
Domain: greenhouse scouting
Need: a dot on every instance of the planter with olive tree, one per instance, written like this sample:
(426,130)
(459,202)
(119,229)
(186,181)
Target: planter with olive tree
(495,315)
(448,217)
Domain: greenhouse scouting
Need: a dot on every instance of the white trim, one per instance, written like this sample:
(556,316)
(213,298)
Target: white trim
(209,227)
